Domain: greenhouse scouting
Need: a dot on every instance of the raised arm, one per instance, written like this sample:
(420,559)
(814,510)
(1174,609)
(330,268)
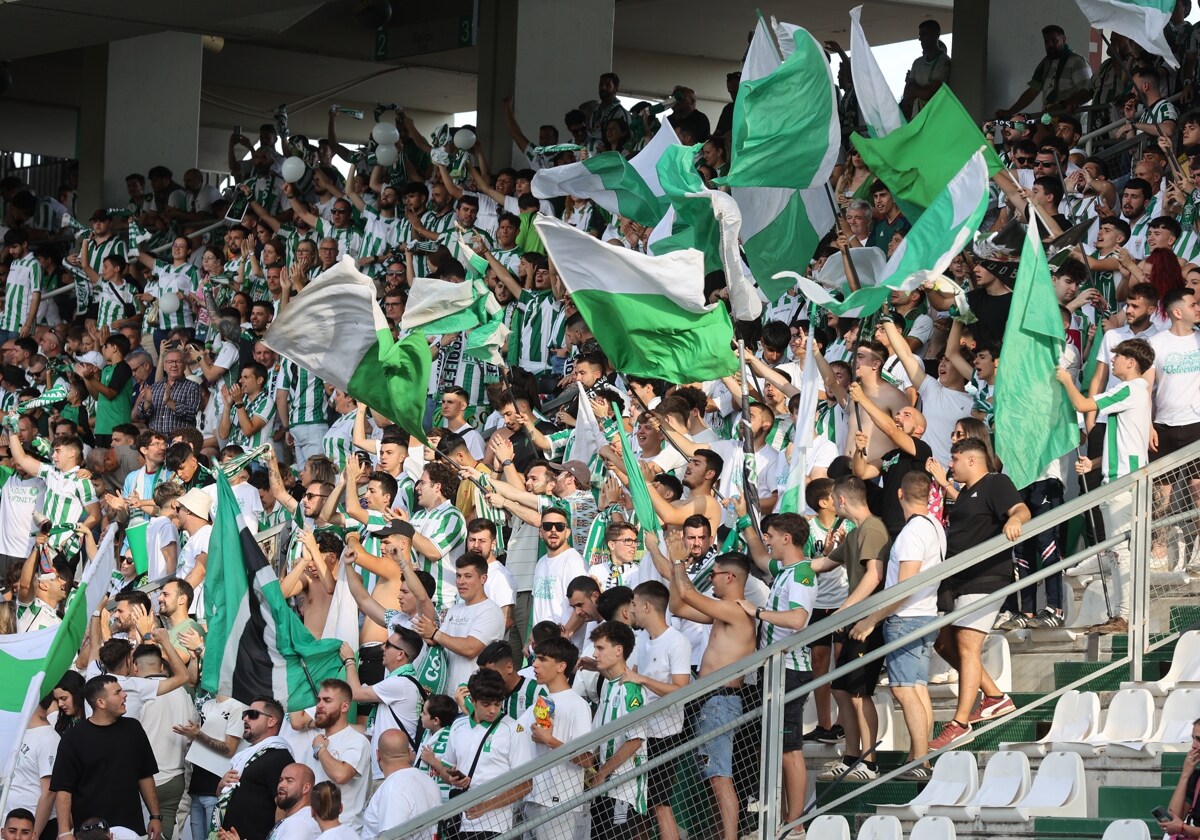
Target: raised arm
(912,365)
(954,351)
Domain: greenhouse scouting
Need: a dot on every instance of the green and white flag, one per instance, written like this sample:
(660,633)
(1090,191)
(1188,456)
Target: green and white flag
(475,265)
(781,227)
(786,131)
(255,643)
(1035,423)
(607,179)
(439,307)
(1140,20)
(876,103)
(485,341)
(648,313)
(792,500)
(335,330)
(33,663)
(52,396)
(923,256)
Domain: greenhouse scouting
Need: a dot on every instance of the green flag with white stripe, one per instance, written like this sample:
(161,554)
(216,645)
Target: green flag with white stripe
(607,179)
(1140,20)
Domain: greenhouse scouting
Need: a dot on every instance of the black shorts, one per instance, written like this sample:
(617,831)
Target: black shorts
(793,710)
(661,779)
(1173,438)
(818,614)
(860,682)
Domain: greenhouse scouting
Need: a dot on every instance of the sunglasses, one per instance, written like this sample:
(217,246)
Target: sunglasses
(393,647)
(1022,159)
(94,825)
(554,526)
(253,714)
(315,495)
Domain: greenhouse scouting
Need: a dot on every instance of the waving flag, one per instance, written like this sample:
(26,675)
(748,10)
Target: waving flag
(1140,20)
(875,100)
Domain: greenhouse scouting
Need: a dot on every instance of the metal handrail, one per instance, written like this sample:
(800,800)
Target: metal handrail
(843,618)
(1104,129)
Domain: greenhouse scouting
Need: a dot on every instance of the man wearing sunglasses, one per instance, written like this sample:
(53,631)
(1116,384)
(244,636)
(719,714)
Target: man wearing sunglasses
(246,793)
(555,569)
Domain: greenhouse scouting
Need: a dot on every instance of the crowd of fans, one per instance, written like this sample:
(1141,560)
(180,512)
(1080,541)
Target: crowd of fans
(522,571)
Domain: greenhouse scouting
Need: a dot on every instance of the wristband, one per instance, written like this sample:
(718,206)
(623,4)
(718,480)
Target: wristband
(156,817)
(758,611)
(507,462)
(66,834)
(348,661)
(744,522)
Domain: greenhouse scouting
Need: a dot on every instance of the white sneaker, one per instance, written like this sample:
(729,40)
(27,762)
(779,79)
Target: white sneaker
(945,677)
(1090,566)
(1003,618)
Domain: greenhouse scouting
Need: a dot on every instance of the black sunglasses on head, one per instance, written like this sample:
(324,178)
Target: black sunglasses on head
(94,825)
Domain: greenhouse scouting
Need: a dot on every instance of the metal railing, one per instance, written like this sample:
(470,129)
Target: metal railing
(769,662)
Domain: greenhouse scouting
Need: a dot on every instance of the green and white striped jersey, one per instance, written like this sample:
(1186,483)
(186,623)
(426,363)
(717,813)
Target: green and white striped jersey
(65,503)
(305,395)
(617,700)
(433,223)
(1104,281)
(99,251)
(542,327)
(111,299)
(267,190)
(336,442)
(524,695)
(291,239)
(510,258)
(277,515)
(794,588)
(445,527)
(1127,413)
(261,406)
(182,280)
(24,278)
(380,234)
(349,240)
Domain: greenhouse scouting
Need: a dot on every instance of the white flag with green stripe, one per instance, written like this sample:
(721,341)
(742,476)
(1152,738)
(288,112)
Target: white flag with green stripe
(1141,20)
(876,103)
(792,500)
(923,256)
(607,179)
(33,663)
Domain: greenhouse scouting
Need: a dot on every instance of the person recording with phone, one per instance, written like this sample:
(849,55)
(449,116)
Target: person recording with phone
(1183,812)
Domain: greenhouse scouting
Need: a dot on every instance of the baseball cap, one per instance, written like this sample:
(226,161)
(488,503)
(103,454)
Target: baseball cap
(577,470)
(397,527)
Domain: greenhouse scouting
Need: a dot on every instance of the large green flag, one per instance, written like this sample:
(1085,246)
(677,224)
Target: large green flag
(642,505)
(917,160)
(1035,423)
(256,644)
(695,225)
(785,124)
(607,179)
(335,330)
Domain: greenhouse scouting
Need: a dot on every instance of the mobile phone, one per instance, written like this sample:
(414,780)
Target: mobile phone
(1160,814)
(455,773)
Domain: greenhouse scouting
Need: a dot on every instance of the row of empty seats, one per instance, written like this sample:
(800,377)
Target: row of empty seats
(1007,792)
(1184,670)
(1129,729)
(831,827)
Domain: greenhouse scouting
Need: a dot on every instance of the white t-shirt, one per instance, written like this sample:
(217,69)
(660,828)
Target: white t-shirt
(659,659)
(1109,343)
(351,746)
(503,750)
(483,621)
(221,719)
(1176,378)
(500,588)
(922,538)
(138,690)
(197,544)
(550,579)
(399,695)
(405,794)
(158,718)
(35,760)
(299,826)
(19,498)
(571,718)
(160,533)
(942,408)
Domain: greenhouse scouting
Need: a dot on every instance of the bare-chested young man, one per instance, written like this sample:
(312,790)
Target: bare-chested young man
(868,367)
(315,577)
(732,638)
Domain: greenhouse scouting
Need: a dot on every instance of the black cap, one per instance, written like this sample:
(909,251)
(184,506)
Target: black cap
(397,527)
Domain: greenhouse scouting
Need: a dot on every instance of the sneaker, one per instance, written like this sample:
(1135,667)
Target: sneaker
(992,707)
(1018,622)
(834,734)
(861,773)
(1046,619)
(917,774)
(795,834)
(1003,618)
(944,678)
(817,736)
(1113,625)
(951,732)
(1089,566)
(832,771)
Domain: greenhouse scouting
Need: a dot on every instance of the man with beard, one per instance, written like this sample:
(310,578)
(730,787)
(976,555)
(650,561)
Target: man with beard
(340,753)
(1062,78)
(381,226)
(292,800)
(246,794)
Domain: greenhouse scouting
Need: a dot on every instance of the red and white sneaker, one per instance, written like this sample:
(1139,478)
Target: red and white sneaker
(992,707)
(951,732)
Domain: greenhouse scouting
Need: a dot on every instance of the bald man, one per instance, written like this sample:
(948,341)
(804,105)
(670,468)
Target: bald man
(904,429)
(404,793)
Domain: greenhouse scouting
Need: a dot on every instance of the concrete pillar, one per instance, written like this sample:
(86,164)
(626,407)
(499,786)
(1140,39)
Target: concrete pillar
(998,44)
(141,107)
(548,55)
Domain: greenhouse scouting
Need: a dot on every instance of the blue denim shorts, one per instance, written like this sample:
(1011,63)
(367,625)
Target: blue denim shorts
(908,665)
(716,754)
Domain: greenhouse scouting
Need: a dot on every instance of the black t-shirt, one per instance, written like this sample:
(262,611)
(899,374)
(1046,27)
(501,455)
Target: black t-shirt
(992,312)
(100,767)
(524,452)
(977,515)
(894,465)
(252,806)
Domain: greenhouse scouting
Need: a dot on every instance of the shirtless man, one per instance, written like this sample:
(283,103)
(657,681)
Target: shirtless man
(703,470)
(732,638)
(868,362)
(314,575)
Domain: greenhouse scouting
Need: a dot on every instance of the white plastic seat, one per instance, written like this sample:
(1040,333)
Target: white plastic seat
(890,736)
(1058,790)
(1005,781)
(1130,718)
(1127,830)
(880,827)
(1174,731)
(1185,667)
(1076,718)
(954,782)
(829,827)
(933,828)
(997,660)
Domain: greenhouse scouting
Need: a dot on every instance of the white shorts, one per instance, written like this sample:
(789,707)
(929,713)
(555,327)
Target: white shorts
(982,619)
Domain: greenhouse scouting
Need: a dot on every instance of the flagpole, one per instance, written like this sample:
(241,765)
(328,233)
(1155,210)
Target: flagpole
(748,490)
(851,269)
